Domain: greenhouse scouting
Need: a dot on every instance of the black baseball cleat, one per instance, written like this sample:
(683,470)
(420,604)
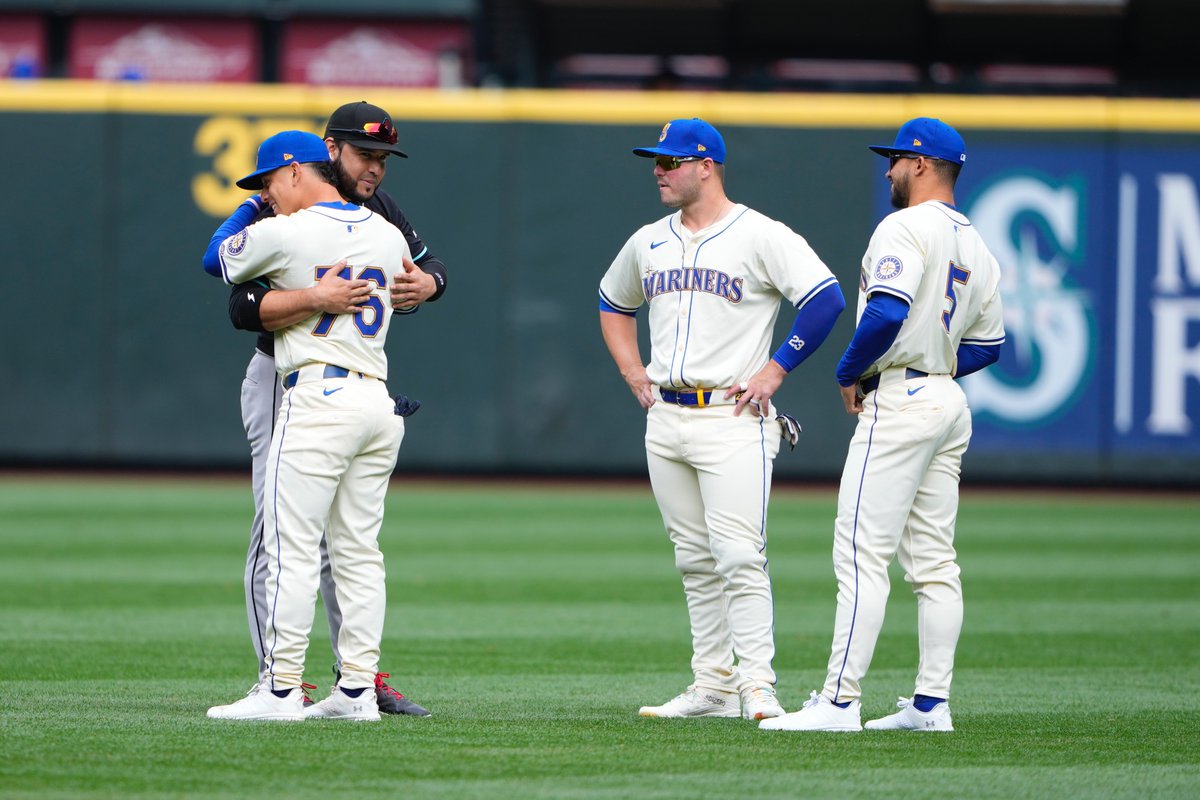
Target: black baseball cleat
(392,702)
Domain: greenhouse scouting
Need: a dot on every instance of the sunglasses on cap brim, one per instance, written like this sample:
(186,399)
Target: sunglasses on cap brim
(379,131)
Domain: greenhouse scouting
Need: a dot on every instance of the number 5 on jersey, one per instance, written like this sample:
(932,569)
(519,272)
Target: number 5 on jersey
(367,327)
(956,275)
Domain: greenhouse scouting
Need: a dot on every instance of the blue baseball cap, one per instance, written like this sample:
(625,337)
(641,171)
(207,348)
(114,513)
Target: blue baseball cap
(926,136)
(286,147)
(687,138)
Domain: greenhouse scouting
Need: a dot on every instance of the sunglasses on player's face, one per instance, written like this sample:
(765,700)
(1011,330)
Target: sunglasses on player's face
(669,163)
(894,157)
(379,131)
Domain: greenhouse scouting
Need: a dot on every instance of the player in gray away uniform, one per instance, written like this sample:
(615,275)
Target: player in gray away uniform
(929,311)
(713,275)
(360,138)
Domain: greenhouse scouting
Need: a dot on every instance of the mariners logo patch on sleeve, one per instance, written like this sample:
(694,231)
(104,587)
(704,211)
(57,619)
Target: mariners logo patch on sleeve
(887,268)
(236,243)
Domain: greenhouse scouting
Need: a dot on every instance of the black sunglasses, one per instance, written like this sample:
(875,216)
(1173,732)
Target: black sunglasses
(894,157)
(669,163)
(379,131)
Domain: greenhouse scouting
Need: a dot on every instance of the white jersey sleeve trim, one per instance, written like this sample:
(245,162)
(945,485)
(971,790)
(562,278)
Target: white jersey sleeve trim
(815,291)
(889,290)
(999,340)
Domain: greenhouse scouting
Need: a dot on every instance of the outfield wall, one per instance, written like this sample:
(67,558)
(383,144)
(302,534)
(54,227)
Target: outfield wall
(1091,205)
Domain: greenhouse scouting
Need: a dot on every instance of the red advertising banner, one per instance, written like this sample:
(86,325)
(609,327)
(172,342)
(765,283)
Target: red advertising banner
(164,49)
(22,46)
(366,53)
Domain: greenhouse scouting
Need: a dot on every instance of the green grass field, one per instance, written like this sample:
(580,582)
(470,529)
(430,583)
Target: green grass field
(535,620)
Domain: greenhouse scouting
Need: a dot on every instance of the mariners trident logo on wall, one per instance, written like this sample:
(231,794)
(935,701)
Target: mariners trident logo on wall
(1033,228)
(1100,285)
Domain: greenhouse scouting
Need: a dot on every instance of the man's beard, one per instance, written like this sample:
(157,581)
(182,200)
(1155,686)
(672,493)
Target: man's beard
(684,196)
(347,186)
(900,194)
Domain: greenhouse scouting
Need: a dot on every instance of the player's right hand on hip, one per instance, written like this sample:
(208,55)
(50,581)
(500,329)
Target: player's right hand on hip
(641,387)
(851,399)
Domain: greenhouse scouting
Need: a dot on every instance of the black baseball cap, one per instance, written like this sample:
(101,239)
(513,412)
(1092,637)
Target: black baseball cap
(365,126)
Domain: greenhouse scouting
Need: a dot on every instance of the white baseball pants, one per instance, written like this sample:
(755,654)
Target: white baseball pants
(711,475)
(332,454)
(899,496)
(261,397)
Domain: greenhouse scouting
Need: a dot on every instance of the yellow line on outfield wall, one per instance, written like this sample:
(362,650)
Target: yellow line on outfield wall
(608,107)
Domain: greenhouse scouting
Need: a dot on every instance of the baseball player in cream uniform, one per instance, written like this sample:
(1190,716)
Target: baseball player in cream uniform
(362,141)
(929,311)
(713,274)
(336,438)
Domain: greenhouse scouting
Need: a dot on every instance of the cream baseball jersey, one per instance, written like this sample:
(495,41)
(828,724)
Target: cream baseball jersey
(294,251)
(713,294)
(930,256)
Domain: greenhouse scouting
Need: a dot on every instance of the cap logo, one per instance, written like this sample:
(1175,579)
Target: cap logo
(663,135)
(701,148)
(916,142)
(288,156)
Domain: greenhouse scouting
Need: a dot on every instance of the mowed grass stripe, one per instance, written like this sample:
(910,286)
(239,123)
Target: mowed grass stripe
(535,620)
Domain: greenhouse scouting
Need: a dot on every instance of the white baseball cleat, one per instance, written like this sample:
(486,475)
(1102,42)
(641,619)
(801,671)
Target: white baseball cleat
(261,704)
(696,702)
(911,718)
(818,714)
(339,705)
(759,702)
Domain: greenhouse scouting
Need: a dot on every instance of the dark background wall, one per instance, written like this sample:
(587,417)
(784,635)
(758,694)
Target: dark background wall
(118,349)
(139,363)
(1076,190)
(1110,47)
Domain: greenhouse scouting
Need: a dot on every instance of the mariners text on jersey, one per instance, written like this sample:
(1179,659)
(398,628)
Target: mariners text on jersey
(710,281)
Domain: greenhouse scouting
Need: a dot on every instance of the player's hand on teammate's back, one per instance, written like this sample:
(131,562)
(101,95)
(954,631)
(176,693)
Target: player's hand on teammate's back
(336,295)
(757,392)
(411,287)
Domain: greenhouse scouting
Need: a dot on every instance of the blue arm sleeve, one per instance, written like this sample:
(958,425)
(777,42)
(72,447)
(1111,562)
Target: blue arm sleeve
(246,213)
(974,357)
(813,323)
(877,329)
